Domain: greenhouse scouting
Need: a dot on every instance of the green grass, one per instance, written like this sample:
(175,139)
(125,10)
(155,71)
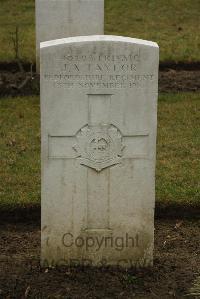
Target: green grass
(178,154)
(178,157)
(174,24)
(19,152)
(19,13)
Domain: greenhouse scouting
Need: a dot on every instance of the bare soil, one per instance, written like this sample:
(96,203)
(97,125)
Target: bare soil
(16,80)
(179,81)
(176,265)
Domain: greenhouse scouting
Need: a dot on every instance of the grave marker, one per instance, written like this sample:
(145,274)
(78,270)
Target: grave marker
(65,18)
(98,107)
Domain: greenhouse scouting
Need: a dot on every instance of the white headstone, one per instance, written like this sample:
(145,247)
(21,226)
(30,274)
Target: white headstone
(99,118)
(65,18)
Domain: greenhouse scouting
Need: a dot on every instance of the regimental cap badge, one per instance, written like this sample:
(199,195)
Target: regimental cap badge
(99,146)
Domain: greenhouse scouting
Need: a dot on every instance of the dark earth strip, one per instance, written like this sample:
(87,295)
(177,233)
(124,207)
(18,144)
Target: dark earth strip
(19,80)
(179,81)
(163,211)
(176,265)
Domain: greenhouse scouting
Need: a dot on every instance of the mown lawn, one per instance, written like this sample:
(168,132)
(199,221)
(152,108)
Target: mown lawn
(178,149)
(178,156)
(174,24)
(19,152)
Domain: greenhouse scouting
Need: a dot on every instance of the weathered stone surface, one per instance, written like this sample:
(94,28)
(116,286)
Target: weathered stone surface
(64,18)
(99,118)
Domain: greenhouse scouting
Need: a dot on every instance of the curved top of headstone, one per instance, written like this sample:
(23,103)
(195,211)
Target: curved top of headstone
(96,38)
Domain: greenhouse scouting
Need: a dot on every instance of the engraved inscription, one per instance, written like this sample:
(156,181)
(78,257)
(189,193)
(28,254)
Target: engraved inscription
(99,71)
